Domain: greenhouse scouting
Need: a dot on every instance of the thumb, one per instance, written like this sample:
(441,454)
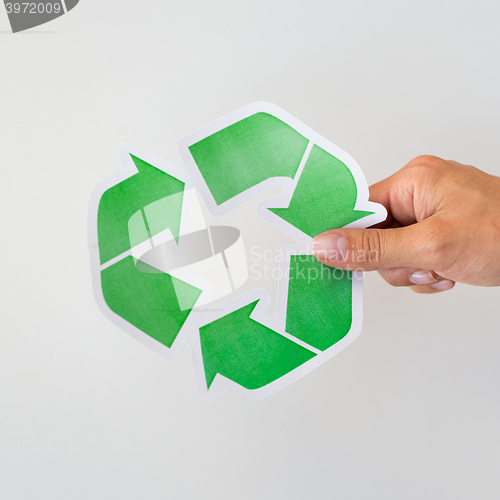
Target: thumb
(371,249)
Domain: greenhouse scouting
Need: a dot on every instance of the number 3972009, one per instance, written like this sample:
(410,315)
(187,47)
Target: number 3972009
(33,8)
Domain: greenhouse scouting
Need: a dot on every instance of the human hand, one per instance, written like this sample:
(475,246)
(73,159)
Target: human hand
(443,226)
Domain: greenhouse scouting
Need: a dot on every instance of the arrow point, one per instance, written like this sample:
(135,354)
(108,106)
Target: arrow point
(142,166)
(248,352)
(157,192)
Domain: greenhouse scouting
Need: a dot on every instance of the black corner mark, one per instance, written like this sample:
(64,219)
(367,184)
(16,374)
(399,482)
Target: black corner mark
(70,4)
(24,15)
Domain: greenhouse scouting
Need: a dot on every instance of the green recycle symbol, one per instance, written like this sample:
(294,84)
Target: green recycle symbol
(157,268)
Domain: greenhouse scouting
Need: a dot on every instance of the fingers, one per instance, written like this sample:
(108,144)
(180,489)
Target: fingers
(374,249)
(410,190)
(419,280)
(380,193)
(440,286)
(408,276)
(396,194)
(409,197)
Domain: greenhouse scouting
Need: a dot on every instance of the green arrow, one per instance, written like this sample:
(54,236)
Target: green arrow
(246,153)
(120,202)
(324,197)
(328,294)
(246,351)
(147,300)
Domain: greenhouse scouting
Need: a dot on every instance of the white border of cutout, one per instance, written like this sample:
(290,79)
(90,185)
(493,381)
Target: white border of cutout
(200,315)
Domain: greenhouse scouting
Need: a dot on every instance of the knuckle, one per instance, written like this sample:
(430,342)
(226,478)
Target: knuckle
(366,246)
(427,160)
(427,166)
(431,159)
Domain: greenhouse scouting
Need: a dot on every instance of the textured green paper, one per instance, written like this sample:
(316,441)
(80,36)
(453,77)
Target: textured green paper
(246,153)
(238,345)
(130,213)
(319,309)
(325,196)
(147,300)
(120,202)
(247,352)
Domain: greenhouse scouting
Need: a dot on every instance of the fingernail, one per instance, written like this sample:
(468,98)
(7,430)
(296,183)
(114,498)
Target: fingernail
(422,277)
(443,285)
(329,246)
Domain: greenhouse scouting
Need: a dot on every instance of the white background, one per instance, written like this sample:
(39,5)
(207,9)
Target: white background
(411,410)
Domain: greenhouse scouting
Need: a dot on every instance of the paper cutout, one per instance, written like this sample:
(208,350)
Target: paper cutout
(170,269)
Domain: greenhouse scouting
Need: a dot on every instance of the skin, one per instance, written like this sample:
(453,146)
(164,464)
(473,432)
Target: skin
(443,226)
